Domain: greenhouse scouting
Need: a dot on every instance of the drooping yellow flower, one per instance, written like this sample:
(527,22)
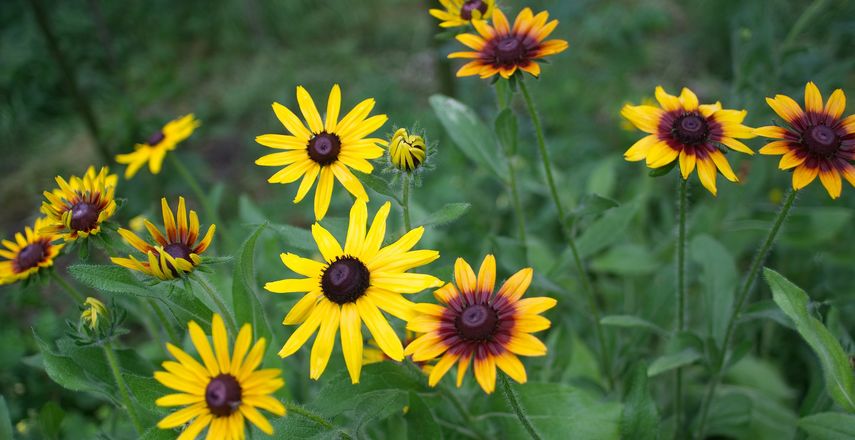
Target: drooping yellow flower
(154,150)
(682,128)
(222,392)
(461,12)
(503,49)
(325,149)
(28,253)
(350,287)
(80,205)
(473,322)
(92,309)
(176,253)
(818,142)
(407,151)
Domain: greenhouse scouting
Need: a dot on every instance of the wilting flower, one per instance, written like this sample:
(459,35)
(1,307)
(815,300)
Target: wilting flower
(28,253)
(154,150)
(407,151)
(475,322)
(502,49)
(224,390)
(79,206)
(818,140)
(92,309)
(327,148)
(176,253)
(683,129)
(351,286)
(461,12)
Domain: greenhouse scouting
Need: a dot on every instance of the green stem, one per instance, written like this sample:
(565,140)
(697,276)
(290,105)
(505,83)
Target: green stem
(513,400)
(741,297)
(320,420)
(512,180)
(580,268)
(77,296)
(123,387)
(164,322)
(681,301)
(211,213)
(224,311)
(405,200)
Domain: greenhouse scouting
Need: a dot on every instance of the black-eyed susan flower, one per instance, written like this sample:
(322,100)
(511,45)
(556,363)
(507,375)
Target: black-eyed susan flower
(92,310)
(691,132)
(474,322)
(503,49)
(457,13)
(154,150)
(350,287)
(80,206)
(28,253)
(407,151)
(173,254)
(323,149)
(223,391)
(818,141)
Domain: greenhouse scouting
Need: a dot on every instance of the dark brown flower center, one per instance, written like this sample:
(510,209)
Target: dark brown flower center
(30,256)
(345,280)
(176,250)
(324,148)
(84,216)
(471,6)
(690,129)
(223,395)
(510,51)
(156,138)
(822,140)
(477,322)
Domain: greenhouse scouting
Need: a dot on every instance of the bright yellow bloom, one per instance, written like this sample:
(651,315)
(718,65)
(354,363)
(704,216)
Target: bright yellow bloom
(223,391)
(682,128)
(79,206)
(818,142)
(475,322)
(92,308)
(350,287)
(407,151)
(174,254)
(327,148)
(154,150)
(462,12)
(29,253)
(503,49)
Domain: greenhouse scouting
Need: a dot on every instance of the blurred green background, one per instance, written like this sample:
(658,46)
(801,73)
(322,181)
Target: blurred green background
(141,64)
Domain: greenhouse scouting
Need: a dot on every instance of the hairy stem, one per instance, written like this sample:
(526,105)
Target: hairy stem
(405,201)
(320,420)
(164,321)
(224,311)
(513,400)
(123,387)
(681,300)
(72,292)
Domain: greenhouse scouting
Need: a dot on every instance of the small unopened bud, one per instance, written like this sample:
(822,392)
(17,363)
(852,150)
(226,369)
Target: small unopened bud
(92,310)
(407,152)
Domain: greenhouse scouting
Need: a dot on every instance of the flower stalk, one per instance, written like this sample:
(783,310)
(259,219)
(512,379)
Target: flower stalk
(681,299)
(123,387)
(513,400)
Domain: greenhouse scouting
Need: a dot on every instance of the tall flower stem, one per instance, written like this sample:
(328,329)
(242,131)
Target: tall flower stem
(568,234)
(512,181)
(224,311)
(167,326)
(405,200)
(72,292)
(194,185)
(741,297)
(681,299)
(123,387)
(513,400)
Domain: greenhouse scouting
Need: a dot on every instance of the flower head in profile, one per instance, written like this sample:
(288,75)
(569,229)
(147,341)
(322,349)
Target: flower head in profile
(456,13)
(474,322)
(92,310)
(28,253)
(407,151)
(353,285)
(173,254)
(323,149)
(503,49)
(80,206)
(225,390)
(683,129)
(818,142)
(154,150)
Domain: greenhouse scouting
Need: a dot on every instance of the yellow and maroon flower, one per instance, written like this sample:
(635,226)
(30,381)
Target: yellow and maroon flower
(503,49)
(818,141)
(29,253)
(80,205)
(473,322)
(176,253)
(155,149)
(682,128)
(460,12)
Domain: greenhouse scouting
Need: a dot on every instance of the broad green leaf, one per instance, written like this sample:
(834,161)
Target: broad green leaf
(640,418)
(829,426)
(50,419)
(603,177)
(607,230)
(839,380)
(155,433)
(730,415)
(471,136)
(421,424)
(592,204)
(378,184)
(446,214)
(339,395)
(145,390)
(64,371)
(719,278)
(626,259)
(5,420)
(295,237)
(247,305)
(297,426)
(507,130)
(631,322)
(671,361)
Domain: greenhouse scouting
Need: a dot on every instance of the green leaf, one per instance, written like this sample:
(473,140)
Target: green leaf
(145,390)
(446,214)
(296,237)
(730,415)
(378,184)
(592,204)
(719,278)
(640,418)
(421,424)
(829,426)
(607,230)
(839,381)
(603,177)
(630,321)
(507,130)
(64,371)
(155,433)
(247,305)
(471,136)
(294,425)
(661,171)
(50,419)
(671,361)
(5,420)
